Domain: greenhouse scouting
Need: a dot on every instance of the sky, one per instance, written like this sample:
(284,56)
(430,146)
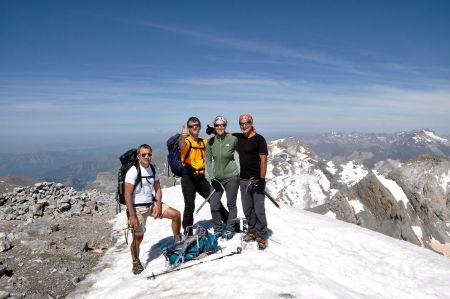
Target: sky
(94,72)
(309,256)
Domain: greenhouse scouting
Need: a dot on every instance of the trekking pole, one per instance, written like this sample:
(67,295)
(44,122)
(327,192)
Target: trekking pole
(206,200)
(118,208)
(209,196)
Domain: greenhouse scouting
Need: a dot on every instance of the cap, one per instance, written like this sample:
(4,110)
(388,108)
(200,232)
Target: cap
(220,118)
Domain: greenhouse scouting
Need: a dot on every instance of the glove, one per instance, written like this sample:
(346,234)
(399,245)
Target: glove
(260,185)
(209,130)
(216,185)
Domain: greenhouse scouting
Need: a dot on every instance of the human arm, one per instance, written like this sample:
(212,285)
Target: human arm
(157,209)
(261,184)
(128,193)
(208,161)
(183,135)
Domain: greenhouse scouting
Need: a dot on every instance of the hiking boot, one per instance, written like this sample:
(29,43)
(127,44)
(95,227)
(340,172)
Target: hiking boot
(137,267)
(249,237)
(228,235)
(262,243)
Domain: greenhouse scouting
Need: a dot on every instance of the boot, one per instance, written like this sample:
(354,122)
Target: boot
(249,237)
(262,243)
(137,267)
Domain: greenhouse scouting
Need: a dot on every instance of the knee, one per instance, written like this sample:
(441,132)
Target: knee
(177,215)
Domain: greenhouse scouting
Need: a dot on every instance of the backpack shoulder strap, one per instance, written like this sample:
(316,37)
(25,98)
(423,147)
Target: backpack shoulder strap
(189,150)
(138,177)
(153,170)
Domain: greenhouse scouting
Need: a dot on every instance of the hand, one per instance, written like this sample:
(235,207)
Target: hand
(260,185)
(133,222)
(216,185)
(157,210)
(184,132)
(209,130)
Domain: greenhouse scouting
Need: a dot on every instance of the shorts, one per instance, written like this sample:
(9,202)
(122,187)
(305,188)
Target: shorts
(142,213)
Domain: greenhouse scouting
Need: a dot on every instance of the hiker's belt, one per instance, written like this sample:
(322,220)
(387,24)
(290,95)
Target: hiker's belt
(198,171)
(147,204)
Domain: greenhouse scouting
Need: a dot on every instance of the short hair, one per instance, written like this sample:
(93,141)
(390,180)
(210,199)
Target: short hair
(144,146)
(193,118)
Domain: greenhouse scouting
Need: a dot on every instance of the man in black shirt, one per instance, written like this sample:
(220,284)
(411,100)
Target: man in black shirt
(252,149)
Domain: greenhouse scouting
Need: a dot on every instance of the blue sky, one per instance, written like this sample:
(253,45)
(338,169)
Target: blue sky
(98,71)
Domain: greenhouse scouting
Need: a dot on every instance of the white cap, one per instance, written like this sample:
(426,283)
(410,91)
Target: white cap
(220,118)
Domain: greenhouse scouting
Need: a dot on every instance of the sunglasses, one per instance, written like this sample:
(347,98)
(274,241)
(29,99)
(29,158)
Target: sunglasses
(219,125)
(145,155)
(245,124)
(193,126)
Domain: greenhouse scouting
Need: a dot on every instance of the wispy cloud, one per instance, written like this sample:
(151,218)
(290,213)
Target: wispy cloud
(60,104)
(247,44)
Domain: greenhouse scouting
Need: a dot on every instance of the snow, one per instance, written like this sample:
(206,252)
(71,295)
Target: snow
(444,181)
(309,256)
(352,173)
(393,187)
(331,168)
(295,181)
(330,214)
(435,137)
(356,205)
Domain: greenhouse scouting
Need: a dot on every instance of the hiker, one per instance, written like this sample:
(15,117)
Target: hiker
(223,171)
(141,203)
(193,180)
(252,149)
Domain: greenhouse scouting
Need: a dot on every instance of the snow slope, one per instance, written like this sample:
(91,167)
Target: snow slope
(309,256)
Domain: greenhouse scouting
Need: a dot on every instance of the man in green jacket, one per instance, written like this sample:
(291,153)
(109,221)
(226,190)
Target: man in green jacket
(223,172)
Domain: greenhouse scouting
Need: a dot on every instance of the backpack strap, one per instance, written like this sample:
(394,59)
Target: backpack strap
(188,152)
(195,147)
(140,177)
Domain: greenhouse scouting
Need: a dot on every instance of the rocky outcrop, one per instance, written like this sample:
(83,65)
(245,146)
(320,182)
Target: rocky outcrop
(371,205)
(410,202)
(426,183)
(52,199)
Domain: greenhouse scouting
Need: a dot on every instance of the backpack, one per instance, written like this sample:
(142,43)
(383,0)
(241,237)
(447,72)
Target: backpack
(200,242)
(128,160)
(174,161)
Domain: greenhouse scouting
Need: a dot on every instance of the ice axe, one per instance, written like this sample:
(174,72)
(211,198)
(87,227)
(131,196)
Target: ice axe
(252,184)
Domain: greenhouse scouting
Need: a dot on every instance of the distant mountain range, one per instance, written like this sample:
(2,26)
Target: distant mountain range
(369,148)
(80,168)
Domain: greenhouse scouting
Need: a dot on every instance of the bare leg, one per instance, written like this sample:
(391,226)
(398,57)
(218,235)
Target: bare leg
(134,247)
(175,216)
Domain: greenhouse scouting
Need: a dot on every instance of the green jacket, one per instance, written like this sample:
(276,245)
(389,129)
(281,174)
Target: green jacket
(220,163)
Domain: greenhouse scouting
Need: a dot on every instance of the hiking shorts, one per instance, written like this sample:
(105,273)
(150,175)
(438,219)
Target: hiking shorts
(142,213)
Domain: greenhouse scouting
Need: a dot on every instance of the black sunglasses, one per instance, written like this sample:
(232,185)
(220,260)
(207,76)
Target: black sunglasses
(219,125)
(145,155)
(193,126)
(245,124)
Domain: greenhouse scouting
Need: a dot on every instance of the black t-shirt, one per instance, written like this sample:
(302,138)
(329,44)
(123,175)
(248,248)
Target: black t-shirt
(249,150)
